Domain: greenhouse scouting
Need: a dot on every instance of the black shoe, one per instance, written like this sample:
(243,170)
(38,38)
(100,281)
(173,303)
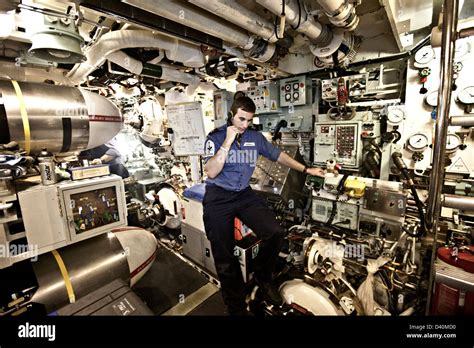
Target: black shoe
(270,292)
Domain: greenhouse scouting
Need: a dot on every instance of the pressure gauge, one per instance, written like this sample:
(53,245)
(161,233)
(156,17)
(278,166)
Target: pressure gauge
(395,115)
(462,50)
(418,142)
(424,55)
(453,141)
(431,98)
(466,95)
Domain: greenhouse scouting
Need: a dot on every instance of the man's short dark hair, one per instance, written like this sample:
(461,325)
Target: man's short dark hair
(244,103)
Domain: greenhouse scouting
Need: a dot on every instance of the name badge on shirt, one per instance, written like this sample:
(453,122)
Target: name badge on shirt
(249,144)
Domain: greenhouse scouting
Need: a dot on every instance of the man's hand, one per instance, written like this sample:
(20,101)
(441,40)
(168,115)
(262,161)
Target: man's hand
(232,132)
(316,171)
(96,161)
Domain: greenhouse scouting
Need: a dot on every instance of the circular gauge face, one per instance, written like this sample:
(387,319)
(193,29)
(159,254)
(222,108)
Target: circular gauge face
(395,115)
(453,142)
(418,142)
(432,98)
(466,95)
(462,50)
(424,55)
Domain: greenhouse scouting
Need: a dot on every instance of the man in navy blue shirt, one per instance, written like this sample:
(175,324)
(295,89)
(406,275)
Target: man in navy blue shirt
(231,153)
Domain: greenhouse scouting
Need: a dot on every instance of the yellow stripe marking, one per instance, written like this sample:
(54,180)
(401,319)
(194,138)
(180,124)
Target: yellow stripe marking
(24,115)
(65,274)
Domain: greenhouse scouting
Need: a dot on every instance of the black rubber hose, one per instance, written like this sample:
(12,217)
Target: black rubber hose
(398,161)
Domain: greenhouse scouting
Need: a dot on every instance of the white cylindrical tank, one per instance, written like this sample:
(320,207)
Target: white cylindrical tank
(58,118)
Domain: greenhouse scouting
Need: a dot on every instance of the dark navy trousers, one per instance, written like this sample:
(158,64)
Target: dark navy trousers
(220,209)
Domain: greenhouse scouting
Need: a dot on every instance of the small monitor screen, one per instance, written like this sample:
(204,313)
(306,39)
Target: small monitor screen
(95,208)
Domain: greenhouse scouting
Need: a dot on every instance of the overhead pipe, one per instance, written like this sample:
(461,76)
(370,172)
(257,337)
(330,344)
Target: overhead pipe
(239,15)
(190,16)
(450,18)
(10,71)
(319,34)
(208,23)
(117,40)
(341,13)
(154,70)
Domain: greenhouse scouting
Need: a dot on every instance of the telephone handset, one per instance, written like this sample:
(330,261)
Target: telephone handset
(255,127)
(229,123)
(230,115)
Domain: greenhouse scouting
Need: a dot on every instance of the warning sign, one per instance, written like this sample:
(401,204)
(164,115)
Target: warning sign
(458,166)
(273,105)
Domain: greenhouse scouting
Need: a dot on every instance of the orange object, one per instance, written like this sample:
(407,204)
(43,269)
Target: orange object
(240,230)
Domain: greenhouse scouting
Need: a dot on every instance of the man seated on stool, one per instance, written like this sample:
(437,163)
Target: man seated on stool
(107,154)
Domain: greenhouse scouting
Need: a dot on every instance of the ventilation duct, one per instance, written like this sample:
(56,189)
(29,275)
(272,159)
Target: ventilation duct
(205,22)
(117,40)
(319,34)
(155,71)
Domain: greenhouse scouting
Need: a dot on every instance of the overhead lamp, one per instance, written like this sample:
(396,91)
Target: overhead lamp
(56,40)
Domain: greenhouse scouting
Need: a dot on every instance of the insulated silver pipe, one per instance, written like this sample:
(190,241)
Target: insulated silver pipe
(341,13)
(458,202)
(239,15)
(319,34)
(183,13)
(450,18)
(465,121)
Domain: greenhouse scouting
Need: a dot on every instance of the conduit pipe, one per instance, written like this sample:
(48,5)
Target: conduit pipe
(190,16)
(208,23)
(433,211)
(465,121)
(116,40)
(152,70)
(458,202)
